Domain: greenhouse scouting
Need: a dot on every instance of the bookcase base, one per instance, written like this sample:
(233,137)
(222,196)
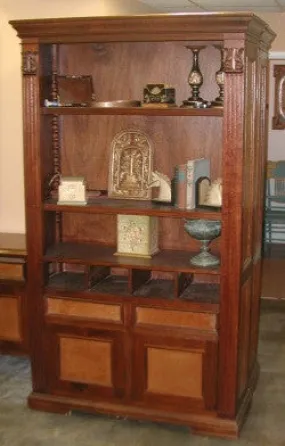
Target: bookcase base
(208,423)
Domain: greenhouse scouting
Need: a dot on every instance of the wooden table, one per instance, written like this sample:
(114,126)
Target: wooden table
(13,297)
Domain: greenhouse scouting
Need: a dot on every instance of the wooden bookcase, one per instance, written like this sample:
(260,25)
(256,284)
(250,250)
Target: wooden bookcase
(153,338)
(13,296)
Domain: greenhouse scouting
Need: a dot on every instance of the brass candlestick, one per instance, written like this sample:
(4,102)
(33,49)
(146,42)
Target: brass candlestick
(195,78)
(220,79)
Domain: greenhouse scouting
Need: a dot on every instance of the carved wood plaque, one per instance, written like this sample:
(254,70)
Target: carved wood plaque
(278,120)
(130,166)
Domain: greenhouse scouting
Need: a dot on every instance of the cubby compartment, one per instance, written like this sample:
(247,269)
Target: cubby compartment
(115,282)
(146,282)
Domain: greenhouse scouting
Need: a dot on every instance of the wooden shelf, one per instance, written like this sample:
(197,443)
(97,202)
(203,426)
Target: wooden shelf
(92,254)
(133,111)
(131,207)
(197,296)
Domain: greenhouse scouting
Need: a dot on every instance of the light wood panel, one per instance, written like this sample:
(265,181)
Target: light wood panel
(174,372)
(11,271)
(10,325)
(151,316)
(86,361)
(86,310)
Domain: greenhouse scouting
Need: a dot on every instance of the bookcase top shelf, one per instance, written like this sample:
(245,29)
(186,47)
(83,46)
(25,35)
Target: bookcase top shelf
(131,207)
(136,111)
(147,28)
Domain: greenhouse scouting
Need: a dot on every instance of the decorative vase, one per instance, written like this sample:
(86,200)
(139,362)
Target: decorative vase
(195,78)
(205,231)
(220,79)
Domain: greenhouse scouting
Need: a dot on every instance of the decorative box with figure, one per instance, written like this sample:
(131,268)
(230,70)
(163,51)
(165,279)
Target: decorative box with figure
(137,235)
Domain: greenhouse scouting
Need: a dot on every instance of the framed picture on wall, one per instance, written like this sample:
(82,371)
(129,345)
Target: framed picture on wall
(278,120)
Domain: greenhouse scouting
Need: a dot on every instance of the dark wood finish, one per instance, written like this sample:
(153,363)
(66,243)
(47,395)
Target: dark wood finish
(13,295)
(145,338)
(131,207)
(131,111)
(95,254)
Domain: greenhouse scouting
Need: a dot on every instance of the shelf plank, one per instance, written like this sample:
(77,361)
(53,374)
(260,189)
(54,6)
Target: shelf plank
(134,111)
(131,207)
(92,254)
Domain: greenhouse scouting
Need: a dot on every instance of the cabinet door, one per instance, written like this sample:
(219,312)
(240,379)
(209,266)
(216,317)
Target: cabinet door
(13,319)
(177,372)
(86,362)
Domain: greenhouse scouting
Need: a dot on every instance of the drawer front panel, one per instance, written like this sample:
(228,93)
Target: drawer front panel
(83,309)
(11,271)
(10,327)
(170,318)
(87,363)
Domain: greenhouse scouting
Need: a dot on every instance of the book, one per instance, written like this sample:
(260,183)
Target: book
(180,186)
(195,169)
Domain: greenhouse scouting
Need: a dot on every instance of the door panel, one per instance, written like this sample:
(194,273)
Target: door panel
(173,371)
(87,361)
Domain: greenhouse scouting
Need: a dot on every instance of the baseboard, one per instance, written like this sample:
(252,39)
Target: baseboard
(202,424)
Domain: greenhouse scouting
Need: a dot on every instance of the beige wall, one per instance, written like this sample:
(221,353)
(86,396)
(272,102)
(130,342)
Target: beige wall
(11,151)
(11,148)
(17,9)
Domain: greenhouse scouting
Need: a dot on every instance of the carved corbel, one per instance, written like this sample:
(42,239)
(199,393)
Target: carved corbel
(30,62)
(233,60)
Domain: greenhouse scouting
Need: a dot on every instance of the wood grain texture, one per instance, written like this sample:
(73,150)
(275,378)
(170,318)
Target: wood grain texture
(164,366)
(11,271)
(86,310)
(34,221)
(244,336)
(157,28)
(10,318)
(199,321)
(231,246)
(85,361)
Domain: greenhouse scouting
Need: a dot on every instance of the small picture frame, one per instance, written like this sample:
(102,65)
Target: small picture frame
(75,91)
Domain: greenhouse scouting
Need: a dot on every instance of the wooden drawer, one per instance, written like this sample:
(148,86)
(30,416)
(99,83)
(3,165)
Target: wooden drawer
(84,309)
(11,271)
(176,318)
(10,317)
